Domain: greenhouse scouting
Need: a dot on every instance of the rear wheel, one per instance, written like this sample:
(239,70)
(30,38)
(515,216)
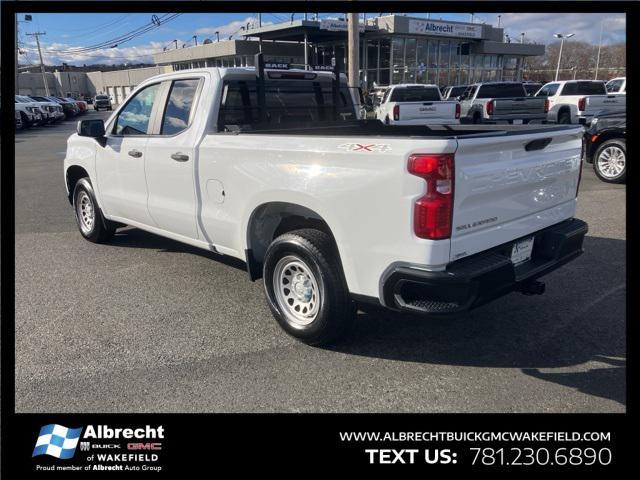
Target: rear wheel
(564,117)
(610,161)
(305,287)
(91,223)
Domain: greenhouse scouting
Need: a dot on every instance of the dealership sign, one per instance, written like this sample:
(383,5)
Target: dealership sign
(445,29)
(337,25)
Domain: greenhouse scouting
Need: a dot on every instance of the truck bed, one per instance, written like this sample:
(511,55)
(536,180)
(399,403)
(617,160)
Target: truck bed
(375,128)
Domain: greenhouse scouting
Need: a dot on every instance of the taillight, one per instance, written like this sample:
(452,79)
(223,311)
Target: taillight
(546,105)
(396,112)
(490,106)
(457,110)
(582,103)
(432,214)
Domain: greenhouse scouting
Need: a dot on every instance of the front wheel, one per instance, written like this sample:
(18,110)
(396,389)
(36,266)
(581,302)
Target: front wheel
(305,287)
(609,162)
(91,223)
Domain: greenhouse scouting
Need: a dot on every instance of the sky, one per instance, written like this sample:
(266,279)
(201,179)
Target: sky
(66,32)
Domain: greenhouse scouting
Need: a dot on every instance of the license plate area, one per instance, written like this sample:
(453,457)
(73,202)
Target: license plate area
(521,251)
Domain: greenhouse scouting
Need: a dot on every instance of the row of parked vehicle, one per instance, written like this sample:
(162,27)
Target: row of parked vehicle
(581,102)
(35,110)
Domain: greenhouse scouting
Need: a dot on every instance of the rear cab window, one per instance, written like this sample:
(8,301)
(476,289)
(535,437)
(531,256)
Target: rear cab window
(584,88)
(286,102)
(415,94)
(501,90)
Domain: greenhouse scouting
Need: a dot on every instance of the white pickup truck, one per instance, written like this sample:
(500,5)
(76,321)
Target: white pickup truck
(274,168)
(500,102)
(578,101)
(417,104)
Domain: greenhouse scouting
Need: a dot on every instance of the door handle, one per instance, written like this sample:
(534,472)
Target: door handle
(135,153)
(180,157)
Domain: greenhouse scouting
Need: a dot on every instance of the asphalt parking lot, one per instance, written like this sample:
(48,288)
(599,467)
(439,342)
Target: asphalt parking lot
(145,324)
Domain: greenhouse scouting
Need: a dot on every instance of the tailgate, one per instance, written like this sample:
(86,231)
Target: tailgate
(518,106)
(503,191)
(427,110)
(609,103)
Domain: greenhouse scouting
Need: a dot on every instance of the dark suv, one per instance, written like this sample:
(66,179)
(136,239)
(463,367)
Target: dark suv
(606,146)
(102,101)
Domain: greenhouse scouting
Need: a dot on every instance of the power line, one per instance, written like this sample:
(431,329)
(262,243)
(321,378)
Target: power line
(114,42)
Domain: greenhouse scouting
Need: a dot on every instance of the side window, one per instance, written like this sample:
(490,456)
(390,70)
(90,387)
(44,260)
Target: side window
(548,90)
(179,105)
(134,117)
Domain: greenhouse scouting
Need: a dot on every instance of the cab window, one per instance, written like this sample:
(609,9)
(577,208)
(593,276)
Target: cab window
(179,105)
(135,116)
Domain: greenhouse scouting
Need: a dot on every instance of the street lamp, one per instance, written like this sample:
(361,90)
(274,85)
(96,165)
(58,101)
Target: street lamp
(561,36)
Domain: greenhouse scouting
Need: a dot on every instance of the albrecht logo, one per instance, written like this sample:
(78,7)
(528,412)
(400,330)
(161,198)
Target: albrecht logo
(57,441)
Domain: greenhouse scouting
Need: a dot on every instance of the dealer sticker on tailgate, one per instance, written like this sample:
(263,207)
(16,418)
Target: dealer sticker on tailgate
(521,251)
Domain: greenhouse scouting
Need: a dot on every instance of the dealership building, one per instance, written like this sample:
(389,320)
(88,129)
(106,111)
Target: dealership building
(393,49)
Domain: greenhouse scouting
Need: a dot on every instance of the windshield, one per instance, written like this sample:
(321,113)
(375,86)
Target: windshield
(102,97)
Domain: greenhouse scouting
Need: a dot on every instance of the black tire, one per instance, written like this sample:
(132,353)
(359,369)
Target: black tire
(25,120)
(476,118)
(315,250)
(101,229)
(564,118)
(109,108)
(615,144)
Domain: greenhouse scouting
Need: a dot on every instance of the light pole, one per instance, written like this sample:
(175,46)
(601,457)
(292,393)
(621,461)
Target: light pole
(599,48)
(561,36)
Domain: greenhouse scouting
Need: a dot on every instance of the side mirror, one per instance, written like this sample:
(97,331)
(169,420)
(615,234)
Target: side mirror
(460,98)
(93,129)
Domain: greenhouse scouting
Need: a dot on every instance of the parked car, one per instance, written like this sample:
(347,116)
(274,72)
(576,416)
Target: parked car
(416,104)
(102,101)
(328,209)
(69,108)
(577,101)
(453,92)
(82,105)
(29,112)
(531,88)
(500,102)
(606,146)
(52,108)
(617,86)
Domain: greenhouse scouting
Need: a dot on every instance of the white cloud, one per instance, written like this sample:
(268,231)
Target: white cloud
(540,27)
(134,54)
(232,28)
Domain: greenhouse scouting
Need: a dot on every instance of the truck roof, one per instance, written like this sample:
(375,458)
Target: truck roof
(248,71)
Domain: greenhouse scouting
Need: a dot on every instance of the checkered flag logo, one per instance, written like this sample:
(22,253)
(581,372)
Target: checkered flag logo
(57,441)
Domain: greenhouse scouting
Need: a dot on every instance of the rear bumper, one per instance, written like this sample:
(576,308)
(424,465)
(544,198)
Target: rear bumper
(483,277)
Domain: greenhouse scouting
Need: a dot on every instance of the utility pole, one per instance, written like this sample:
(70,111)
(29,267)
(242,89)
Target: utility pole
(599,48)
(44,77)
(354,51)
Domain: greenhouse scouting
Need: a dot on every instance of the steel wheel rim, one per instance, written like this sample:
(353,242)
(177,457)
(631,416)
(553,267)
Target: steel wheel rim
(85,212)
(296,291)
(611,162)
